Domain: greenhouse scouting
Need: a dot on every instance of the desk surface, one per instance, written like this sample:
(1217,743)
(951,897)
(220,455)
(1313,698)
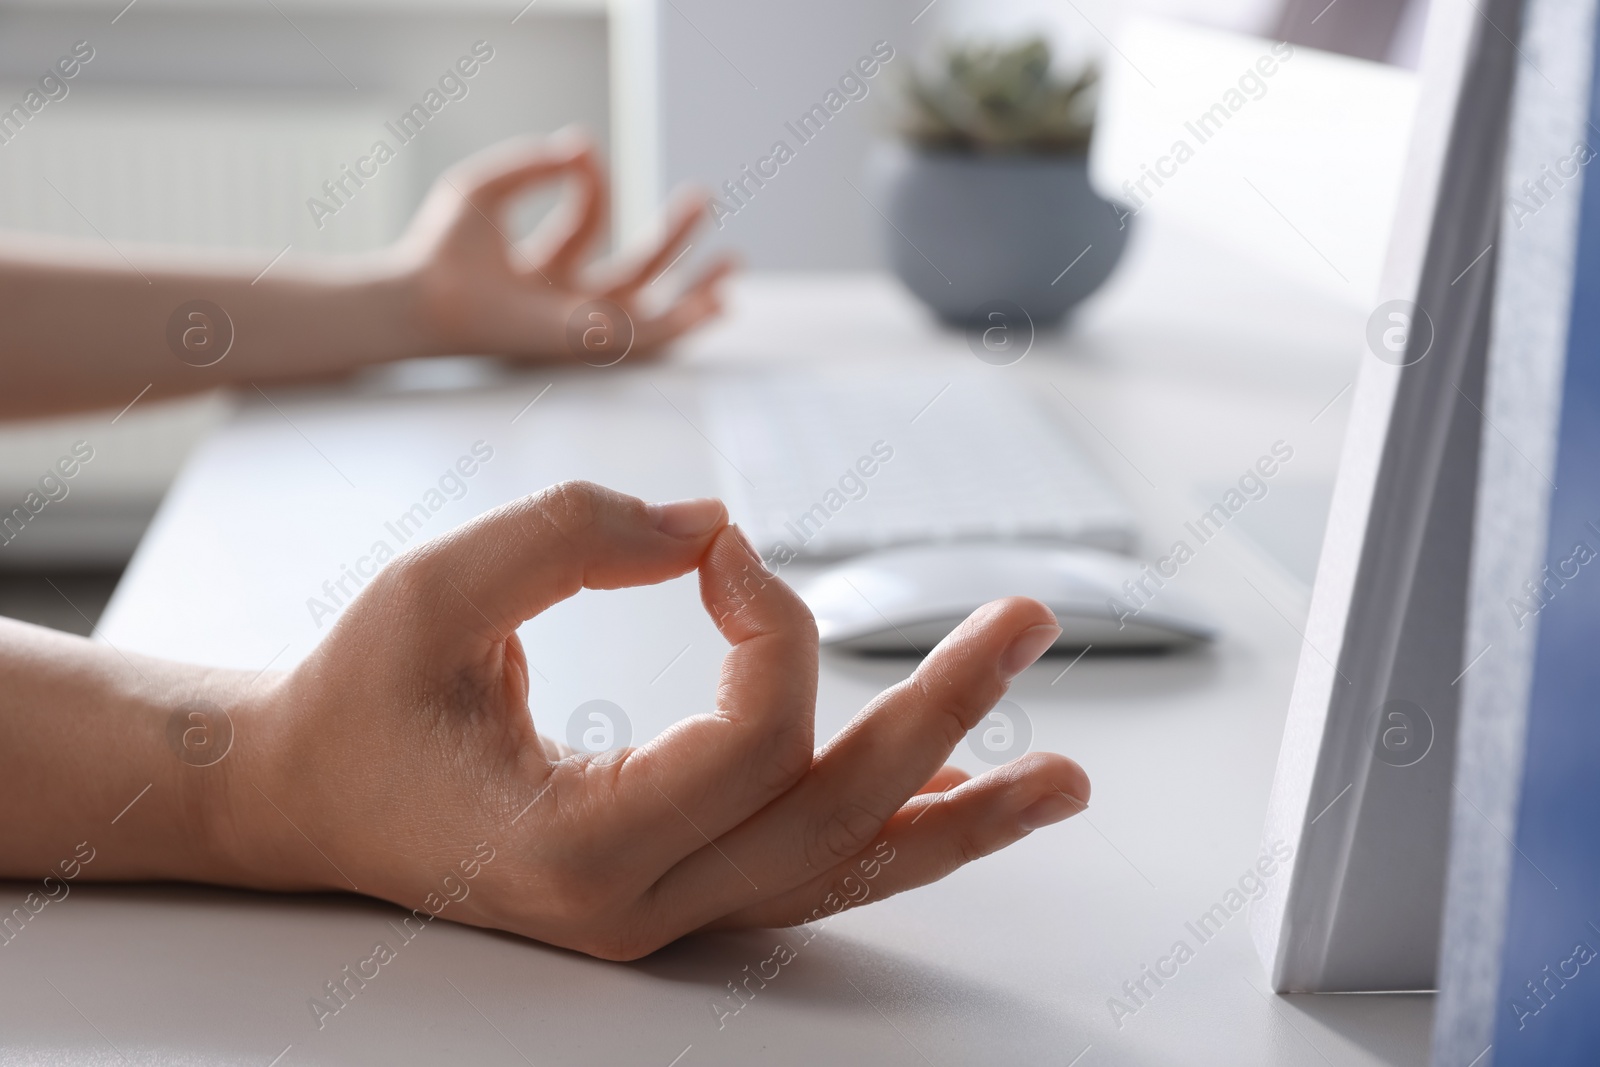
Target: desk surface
(1178,378)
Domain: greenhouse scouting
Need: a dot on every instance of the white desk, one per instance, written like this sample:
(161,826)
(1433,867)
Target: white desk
(1188,368)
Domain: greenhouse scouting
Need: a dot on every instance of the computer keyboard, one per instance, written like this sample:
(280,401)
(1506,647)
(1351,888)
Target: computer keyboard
(825,467)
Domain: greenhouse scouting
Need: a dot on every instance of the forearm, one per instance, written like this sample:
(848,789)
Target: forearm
(93,751)
(85,328)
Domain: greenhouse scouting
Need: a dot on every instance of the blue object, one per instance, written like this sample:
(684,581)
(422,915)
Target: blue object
(1548,1007)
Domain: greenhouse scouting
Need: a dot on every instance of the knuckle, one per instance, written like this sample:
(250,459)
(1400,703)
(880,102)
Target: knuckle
(846,830)
(969,848)
(412,580)
(573,508)
(955,705)
(787,756)
(953,725)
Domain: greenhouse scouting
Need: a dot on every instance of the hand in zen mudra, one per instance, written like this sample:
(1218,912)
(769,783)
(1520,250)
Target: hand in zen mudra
(405,741)
(540,298)
(88,326)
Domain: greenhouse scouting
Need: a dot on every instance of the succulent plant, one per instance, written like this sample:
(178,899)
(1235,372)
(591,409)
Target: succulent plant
(1001,98)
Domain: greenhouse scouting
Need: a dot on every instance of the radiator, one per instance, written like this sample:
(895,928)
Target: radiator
(223,173)
(227,173)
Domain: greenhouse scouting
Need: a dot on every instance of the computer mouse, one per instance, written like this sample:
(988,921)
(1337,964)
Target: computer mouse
(907,599)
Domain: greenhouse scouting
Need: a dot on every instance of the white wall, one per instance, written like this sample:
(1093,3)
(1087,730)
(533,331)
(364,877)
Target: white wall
(1301,169)
(728,75)
(732,73)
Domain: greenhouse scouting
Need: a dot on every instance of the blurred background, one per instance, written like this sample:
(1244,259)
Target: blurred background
(214,124)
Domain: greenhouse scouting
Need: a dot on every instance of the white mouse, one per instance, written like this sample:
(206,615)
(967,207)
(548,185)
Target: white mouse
(908,599)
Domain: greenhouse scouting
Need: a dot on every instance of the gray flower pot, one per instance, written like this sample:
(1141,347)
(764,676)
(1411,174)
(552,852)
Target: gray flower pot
(965,231)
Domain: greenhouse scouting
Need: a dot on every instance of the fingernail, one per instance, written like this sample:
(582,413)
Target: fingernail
(688,518)
(1026,647)
(1052,809)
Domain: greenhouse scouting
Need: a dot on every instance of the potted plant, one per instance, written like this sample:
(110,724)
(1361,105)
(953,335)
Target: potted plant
(987,196)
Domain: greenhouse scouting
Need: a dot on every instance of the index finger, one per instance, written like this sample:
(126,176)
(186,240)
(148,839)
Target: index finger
(479,582)
(490,178)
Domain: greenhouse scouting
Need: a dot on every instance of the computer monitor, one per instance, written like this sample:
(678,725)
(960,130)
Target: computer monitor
(1367,778)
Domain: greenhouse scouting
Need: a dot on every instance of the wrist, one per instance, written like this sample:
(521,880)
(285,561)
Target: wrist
(388,292)
(256,814)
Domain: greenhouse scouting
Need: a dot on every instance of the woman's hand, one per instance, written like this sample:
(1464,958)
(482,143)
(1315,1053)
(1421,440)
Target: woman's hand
(89,326)
(479,291)
(92,327)
(400,759)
